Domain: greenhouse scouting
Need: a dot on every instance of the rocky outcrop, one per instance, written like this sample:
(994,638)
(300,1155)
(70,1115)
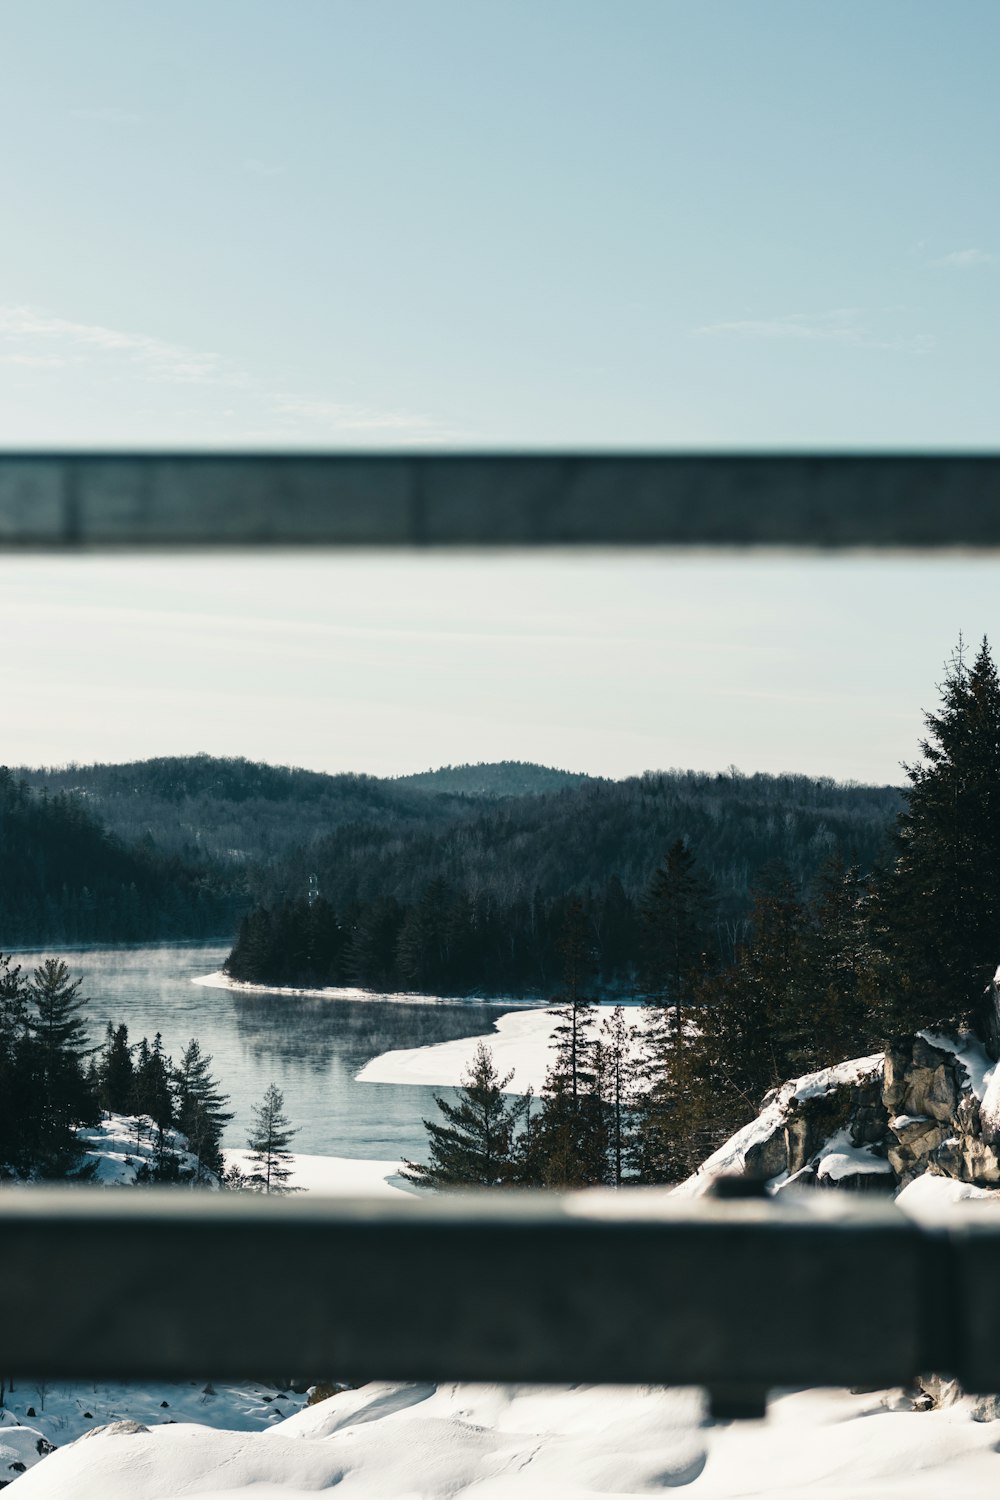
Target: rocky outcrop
(875,1124)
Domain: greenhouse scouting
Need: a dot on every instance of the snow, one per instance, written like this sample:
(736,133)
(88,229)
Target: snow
(220,980)
(842,1158)
(338,1176)
(971,1053)
(929,1198)
(67,1411)
(731,1155)
(119,1147)
(399,1442)
(520,1045)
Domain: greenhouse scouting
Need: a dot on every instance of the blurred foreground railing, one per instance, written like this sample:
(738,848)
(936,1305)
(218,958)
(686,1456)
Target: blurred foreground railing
(595,1286)
(456,499)
(737,1296)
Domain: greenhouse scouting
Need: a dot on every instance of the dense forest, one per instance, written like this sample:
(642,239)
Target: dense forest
(52,1080)
(65,879)
(453,880)
(477,905)
(816,978)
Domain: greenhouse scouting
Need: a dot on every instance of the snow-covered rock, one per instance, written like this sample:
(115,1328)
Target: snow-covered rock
(931,1104)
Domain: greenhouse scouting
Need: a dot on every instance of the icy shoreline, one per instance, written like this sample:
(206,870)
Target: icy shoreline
(220,980)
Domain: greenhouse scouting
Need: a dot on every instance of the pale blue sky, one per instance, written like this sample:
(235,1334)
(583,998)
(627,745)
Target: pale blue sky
(508,224)
(387,664)
(457,222)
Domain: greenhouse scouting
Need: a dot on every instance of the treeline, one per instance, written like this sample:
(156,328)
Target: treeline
(52,1080)
(577,839)
(237,812)
(647,1094)
(65,879)
(813,981)
(478,908)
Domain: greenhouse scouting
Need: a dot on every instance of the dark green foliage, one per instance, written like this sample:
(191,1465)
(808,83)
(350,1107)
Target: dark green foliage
(116,1072)
(476,1144)
(268,1142)
(64,879)
(677,955)
(476,903)
(943,899)
(492,779)
(58,1052)
(45,1080)
(200,1107)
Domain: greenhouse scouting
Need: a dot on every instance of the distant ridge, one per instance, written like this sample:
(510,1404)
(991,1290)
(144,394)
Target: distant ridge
(494,778)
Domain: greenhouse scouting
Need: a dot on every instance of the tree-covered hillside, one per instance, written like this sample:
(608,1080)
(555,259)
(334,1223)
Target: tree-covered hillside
(479,904)
(233,809)
(500,778)
(581,837)
(65,879)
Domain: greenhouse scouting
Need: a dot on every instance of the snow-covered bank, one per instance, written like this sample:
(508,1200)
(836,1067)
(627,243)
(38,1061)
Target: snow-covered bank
(337,1176)
(395,1442)
(220,980)
(121,1149)
(520,1045)
(38,1416)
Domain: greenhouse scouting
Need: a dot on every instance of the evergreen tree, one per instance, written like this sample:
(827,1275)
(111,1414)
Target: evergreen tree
(201,1112)
(268,1143)
(848,968)
(115,1071)
(477,1143)
(59,1051)
(152,1091)
(572,1041)
(18,1097)
(676,922)
(677,914)
(617,1074)
(943,900)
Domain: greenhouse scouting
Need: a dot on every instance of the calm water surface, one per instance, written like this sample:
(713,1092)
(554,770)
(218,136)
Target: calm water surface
(311,1048)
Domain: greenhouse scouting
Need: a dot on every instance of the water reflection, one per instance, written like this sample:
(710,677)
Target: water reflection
(310,1047)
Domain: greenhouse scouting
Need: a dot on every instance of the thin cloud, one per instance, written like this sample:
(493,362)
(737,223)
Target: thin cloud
(166,361)
(33,337)
(840,326)
(258,168)
(107,114)
(339,417)
(964,260)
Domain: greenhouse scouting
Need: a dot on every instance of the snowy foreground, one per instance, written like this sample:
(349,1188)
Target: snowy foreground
(400,1442)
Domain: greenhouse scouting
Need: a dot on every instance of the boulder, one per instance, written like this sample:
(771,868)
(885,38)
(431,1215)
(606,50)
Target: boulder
(921,1079)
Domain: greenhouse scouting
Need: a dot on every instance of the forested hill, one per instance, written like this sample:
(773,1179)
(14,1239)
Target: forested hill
(478,904)
(233,809)
(158,848)
(64,879)
(493,779)
(580,837)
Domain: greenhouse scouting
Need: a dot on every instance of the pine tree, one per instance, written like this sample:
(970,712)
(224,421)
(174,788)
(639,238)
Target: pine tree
(115,1071)
(59,1050)
(676,931)
(676,918)
(477,1143)
(201,1112)
(572,1041)
(18,1096)
(618,1091)
(943,898)
(268,1143)
(847,968)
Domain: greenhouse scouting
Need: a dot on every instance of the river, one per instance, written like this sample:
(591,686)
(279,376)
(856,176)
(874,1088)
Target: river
(311,1048)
